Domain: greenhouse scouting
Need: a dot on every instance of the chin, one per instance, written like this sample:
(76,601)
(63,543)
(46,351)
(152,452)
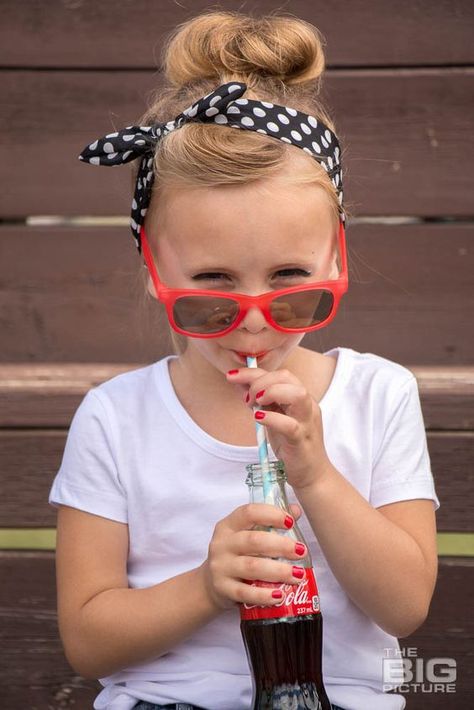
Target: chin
(223,357)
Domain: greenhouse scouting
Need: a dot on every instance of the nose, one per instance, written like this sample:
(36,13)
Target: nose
(254,320)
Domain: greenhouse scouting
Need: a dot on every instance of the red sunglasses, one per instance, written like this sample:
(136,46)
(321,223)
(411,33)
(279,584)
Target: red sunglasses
(210,314)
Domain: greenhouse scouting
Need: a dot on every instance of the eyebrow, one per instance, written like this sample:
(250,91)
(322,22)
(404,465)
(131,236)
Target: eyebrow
(303,264)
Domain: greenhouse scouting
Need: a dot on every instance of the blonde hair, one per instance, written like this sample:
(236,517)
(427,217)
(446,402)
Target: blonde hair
(281,59)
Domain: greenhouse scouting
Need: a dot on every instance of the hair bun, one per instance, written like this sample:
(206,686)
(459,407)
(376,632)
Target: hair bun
(230,46)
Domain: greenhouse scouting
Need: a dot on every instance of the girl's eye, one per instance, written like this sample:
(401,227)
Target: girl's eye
(293,272)
(283,273)
(211,276)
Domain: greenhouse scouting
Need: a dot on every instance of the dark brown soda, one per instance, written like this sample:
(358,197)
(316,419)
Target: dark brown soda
(285,655)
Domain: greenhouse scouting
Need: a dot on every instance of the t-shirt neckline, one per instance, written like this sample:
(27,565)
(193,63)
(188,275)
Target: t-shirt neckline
(209,443)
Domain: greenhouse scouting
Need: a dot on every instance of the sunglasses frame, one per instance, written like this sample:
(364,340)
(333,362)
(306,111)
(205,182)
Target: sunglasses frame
(168,296)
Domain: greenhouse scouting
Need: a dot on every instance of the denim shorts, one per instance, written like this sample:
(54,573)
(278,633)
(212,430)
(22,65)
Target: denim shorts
(144,705)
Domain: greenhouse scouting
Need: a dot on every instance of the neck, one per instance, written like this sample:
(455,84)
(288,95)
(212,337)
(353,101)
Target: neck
(192,371)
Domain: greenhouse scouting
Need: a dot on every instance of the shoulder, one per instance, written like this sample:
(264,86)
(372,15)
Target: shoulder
(130,386)
(368,371)
(371,387)
(121,401)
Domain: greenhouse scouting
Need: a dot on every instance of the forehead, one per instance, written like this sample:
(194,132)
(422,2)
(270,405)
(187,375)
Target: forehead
(261,218)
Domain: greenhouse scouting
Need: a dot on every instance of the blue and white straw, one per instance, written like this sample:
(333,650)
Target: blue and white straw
(262,451)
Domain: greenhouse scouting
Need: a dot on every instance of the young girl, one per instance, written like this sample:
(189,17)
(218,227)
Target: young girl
(238,212)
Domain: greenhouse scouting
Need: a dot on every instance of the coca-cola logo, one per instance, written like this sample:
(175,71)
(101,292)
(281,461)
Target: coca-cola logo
(292,594)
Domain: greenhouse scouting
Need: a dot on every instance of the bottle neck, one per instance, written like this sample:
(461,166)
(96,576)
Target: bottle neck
(277,489)
(274,485)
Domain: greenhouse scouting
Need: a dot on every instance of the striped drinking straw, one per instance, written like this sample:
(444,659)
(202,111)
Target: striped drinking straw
(262,450)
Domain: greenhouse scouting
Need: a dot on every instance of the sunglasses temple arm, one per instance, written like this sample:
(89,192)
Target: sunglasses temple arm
(150,262)
(343,249)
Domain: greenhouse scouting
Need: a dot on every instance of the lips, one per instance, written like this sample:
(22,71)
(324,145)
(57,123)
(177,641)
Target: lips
(257,355)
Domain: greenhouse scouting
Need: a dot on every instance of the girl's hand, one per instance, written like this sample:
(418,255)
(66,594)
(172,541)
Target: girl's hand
(238,552)
(293,421)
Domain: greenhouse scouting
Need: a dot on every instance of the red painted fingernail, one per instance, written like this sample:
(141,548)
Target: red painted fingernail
(277,594)
(247,397)
(300,548)
(288,522)
(298,572)
(259,394)
(233,372)
(259,415)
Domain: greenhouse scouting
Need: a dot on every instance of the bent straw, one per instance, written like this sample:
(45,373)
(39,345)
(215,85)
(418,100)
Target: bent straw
(262,450)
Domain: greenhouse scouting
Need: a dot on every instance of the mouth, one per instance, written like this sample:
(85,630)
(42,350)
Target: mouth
(244,355)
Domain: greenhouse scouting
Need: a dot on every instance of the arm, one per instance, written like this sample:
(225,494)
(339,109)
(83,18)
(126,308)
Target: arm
(151,621)
(106,626)
(385,558)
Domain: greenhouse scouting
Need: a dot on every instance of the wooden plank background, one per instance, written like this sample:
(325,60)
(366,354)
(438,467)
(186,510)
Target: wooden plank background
(45,396)
(28,632)
(30,459)
(399,83)
(78,296)
(406,137)
(129,33)
(37,403)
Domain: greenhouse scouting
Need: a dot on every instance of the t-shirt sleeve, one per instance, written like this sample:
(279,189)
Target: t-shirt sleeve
(88,477)
(402,469)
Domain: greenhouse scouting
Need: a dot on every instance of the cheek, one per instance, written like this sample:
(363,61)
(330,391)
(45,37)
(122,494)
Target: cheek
(285,347)
(294,340)
(207,347)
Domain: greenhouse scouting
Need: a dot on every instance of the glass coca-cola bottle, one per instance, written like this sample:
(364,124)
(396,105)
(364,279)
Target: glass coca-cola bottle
(284,642)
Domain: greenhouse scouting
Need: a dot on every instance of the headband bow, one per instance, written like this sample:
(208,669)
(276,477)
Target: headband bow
(224,107)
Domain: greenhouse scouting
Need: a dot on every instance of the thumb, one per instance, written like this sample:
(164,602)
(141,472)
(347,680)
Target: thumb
(295,510)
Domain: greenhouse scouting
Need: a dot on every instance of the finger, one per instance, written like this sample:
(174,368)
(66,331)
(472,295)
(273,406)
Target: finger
(252,375)
(267,544)
(291,399)
(245,517)
(245,375)
(289,427)
(268,570)
(295,511)
(255,594)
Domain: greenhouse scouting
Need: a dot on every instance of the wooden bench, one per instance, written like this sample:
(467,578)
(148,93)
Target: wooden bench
(36,406)
(70,292)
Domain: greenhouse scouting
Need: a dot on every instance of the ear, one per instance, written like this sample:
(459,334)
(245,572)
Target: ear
(334,271)
(150,287)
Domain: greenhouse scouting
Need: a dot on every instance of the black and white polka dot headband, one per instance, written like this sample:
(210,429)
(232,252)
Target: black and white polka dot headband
(224,107)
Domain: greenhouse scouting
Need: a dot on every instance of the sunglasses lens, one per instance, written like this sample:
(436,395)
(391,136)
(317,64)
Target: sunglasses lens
(205,314)
(302,309)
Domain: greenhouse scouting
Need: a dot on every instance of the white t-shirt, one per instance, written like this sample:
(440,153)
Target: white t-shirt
(133,454)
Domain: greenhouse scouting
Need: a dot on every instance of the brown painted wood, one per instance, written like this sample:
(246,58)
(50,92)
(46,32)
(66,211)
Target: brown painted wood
(405,134)
(34,673)
(43,679)
(447,633)
(29,460)
(452,454)
(405,137)
(77,297)
(111,34)
(47,394)
(394,306)
(447,396)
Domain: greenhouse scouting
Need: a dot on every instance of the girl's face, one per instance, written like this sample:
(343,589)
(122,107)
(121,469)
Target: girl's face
(250,239)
